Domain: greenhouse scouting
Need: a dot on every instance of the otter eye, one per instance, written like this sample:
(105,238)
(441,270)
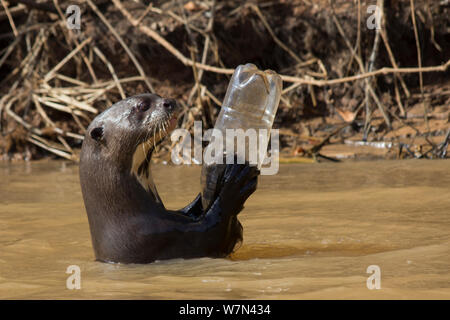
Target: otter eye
(143,106)
(96,133)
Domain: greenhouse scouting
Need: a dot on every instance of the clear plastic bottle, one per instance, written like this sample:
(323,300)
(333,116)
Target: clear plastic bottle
(251,102)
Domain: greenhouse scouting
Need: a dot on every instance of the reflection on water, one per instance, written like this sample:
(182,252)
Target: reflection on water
(309,232)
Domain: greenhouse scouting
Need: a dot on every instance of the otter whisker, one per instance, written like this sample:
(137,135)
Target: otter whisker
(154,135)
(164,128)
(144,141)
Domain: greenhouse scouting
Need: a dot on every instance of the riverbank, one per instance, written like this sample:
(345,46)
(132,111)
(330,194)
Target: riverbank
(351,90)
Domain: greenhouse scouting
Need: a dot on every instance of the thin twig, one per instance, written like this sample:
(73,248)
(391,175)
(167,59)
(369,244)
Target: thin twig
(272,34)
(52,72)
(123,44)
(419,62)
(111,70)
(11,21)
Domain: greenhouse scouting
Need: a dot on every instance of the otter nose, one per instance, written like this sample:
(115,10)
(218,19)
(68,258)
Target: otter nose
(169,104)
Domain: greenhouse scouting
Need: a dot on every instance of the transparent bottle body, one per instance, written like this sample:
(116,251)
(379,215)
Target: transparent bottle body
(251,102)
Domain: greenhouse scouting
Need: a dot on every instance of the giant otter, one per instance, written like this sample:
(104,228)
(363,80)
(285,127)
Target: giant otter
(127,219)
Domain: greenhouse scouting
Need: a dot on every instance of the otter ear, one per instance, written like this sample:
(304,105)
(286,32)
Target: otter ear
(96,133)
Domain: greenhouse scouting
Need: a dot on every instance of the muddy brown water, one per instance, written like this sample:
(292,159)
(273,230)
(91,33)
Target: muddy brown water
(310,231)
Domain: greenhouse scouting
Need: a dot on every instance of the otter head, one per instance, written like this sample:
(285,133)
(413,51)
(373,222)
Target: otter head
(119,143)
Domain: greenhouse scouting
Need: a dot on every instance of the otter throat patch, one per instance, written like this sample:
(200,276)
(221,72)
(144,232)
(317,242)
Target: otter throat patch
(140,166)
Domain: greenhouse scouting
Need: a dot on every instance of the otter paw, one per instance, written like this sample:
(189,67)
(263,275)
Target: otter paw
(239,181)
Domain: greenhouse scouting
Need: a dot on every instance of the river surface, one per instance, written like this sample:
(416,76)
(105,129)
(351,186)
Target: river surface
(310,232)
